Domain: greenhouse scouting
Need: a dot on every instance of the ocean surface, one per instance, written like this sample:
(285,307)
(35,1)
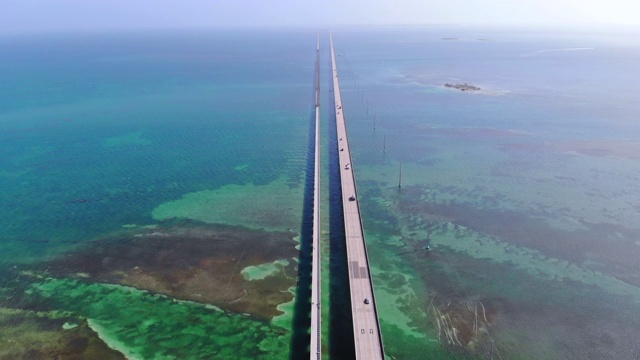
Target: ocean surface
(154,192)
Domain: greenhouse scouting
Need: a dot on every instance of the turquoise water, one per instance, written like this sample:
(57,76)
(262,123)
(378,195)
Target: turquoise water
(527,190)
(153,190)
(111,143)
(119,124)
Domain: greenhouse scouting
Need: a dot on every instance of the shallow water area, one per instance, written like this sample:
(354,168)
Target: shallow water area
(153,192)
(34,335)
(191,273)
(274,206)
(97,132)
(204,264)
(514,229)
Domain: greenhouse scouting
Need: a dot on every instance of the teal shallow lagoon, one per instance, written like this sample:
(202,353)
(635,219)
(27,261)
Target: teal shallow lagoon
(125,160)
(526,189)
(100,135)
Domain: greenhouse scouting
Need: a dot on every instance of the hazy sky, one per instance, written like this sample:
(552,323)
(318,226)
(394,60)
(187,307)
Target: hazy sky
(84,15)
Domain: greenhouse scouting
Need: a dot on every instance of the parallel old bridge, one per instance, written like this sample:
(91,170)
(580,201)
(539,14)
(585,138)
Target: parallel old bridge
(366,327)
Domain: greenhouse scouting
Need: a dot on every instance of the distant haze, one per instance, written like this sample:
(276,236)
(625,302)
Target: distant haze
(18,16)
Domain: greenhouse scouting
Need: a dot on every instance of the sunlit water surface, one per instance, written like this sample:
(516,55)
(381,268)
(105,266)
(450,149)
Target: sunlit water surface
(153,189)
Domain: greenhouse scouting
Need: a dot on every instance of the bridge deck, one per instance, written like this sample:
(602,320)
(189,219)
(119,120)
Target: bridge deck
(315,349)
(366,329)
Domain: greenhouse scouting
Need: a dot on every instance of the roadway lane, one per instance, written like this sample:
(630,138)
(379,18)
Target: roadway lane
(366,329)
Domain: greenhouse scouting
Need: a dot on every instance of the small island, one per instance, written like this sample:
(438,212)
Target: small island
(463,87)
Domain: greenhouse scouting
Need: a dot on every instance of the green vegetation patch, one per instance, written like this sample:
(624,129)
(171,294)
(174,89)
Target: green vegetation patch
(49,335)
(147,326)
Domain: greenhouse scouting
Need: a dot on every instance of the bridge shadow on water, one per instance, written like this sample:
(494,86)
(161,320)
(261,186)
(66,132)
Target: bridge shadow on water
(340,343)
(300,337)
